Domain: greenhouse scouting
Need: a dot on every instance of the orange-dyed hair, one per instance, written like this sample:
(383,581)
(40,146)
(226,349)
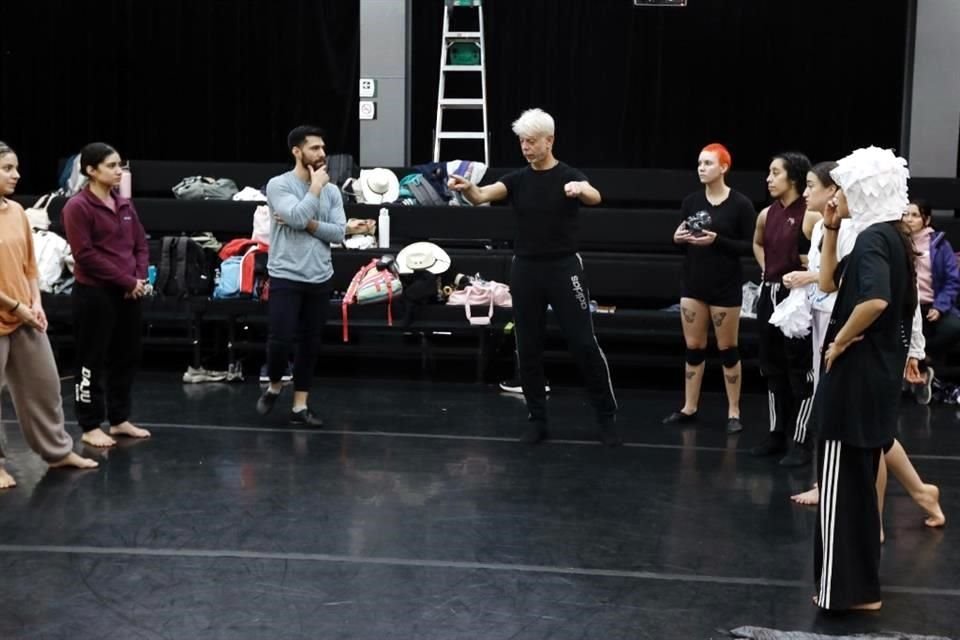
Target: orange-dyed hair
(723,156)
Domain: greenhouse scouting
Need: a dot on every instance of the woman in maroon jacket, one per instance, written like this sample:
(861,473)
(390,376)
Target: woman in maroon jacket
(110,249)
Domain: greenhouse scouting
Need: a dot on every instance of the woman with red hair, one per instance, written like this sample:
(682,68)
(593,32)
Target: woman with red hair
(715,231)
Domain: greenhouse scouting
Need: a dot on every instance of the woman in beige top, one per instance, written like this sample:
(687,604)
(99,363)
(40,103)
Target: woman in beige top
(27,365)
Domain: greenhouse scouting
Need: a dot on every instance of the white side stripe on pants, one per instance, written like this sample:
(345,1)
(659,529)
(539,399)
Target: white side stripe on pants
(803,416)
(603,356)
(772,402)
(828,516)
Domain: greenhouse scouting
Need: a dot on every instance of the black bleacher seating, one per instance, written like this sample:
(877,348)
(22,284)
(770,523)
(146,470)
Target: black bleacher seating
(626,244)
(156,178)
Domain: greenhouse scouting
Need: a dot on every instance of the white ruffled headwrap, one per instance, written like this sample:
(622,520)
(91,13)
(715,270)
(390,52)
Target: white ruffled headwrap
(874,180)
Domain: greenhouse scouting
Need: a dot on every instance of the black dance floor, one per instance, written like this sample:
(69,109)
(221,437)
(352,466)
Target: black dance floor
(415,514)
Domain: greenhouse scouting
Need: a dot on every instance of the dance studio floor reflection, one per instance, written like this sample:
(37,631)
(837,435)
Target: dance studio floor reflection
(415,514)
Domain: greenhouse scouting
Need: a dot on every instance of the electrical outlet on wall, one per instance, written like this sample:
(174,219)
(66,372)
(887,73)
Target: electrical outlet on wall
(368,88)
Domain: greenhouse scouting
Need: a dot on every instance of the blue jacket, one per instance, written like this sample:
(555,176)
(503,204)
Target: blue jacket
(946,277)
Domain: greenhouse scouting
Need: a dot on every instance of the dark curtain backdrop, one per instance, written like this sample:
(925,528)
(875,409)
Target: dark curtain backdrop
(632,87)
(174,79)
(648,87)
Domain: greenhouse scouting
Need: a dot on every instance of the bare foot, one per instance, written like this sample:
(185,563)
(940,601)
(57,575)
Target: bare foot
(76,461)
(929,501)
(6,480)
(810,497)
(127,429)
(97,438)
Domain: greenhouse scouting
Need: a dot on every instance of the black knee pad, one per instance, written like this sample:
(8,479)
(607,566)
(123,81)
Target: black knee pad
(730,357)
(695,357)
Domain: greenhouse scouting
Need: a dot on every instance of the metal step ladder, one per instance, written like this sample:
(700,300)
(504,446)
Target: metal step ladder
(444,103)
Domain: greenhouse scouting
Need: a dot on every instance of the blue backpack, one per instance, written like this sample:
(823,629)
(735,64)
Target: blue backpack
(228,282)
(416,189)
(71,178)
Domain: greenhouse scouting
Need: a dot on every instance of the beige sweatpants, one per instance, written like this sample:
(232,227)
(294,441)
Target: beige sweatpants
(30,373)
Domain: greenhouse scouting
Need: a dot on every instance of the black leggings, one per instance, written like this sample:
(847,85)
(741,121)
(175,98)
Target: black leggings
(560,283)
(297,315)
(107,328)
(787,365)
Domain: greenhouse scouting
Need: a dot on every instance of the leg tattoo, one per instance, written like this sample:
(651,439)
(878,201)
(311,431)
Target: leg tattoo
(718,318)
(731,379)
(689,315)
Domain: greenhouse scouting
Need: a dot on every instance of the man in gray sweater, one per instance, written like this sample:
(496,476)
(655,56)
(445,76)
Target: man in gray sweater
(308,217)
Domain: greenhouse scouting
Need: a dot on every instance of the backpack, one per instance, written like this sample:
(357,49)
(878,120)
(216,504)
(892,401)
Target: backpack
(423,191)
(71,177)
(374,282)
(204,188)
(341,166)
(228,279)
(436,175)
(185,269)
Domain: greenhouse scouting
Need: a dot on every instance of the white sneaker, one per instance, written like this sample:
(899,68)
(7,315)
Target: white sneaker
(513,386)
(286,377)
(194,376)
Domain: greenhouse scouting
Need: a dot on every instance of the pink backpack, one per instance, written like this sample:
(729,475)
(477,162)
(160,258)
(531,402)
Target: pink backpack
(369,285)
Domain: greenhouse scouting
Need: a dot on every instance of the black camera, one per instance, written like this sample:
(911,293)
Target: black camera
(698,223)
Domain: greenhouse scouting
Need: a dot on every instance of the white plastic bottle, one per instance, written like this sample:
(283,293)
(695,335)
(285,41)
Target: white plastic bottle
(126,183)
(383,228)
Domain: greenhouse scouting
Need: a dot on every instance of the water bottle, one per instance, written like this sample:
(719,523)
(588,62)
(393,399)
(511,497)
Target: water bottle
(126,183)
(383,228)
(152,274)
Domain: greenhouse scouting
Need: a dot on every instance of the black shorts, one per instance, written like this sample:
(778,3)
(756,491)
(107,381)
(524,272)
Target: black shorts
(729,295)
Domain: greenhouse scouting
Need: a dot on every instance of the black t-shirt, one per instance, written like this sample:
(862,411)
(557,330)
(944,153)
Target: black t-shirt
(548,222)
(857,399)
(717,266)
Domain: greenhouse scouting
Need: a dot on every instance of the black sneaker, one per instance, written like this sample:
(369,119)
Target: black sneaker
(774,444)
(306,417)
(734,425)
(513,386)
(266,401)
(799,456)
(679,417)
(535,432)
(609,435)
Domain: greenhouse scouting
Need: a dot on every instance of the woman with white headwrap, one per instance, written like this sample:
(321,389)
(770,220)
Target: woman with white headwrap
(820,189)
(868,336)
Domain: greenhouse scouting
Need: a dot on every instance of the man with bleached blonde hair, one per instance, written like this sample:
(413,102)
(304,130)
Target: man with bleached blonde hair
(547,270)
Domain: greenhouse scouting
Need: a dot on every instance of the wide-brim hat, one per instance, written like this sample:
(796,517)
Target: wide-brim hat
(422,256)
(379,186)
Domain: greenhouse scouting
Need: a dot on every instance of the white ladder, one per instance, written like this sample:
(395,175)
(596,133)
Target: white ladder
(443,102)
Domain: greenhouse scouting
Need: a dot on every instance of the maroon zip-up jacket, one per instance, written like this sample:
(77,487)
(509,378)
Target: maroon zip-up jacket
(110,249)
